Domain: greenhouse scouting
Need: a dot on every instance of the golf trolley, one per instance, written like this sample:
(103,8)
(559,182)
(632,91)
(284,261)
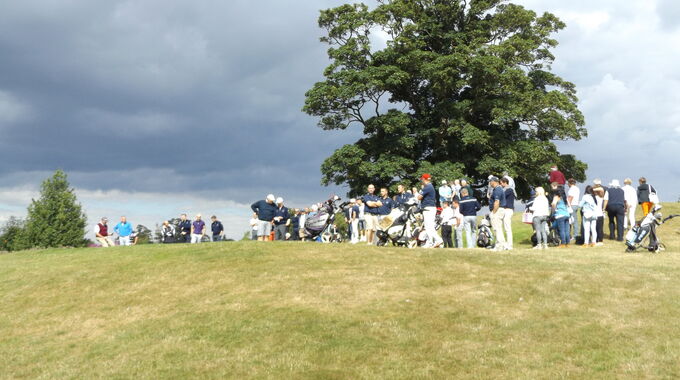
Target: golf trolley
(643,234)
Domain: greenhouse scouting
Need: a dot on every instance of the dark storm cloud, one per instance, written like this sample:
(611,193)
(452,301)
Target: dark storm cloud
(185,95)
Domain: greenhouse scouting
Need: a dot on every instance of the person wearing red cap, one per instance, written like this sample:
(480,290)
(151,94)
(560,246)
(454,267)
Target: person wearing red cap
(428,203)
(557,176)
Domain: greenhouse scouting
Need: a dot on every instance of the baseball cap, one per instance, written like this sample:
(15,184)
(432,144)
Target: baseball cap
(279,200)
(444,182)
(271,197)
(493,179)
(597,181)
(426,176)
(352,200)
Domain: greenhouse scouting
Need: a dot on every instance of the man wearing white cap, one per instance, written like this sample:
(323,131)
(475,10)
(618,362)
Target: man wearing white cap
(265,210)
(281,220)
(445,192)
(615,204)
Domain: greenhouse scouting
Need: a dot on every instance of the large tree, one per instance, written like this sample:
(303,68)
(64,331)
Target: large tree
(461,89)
(55,219)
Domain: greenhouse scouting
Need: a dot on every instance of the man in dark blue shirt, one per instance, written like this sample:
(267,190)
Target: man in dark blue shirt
(184,228)
(402,196)
(469,207)
(509,210)
(281,217)
(265,210)
(372,203)
(428,201)
(497,206)
(217,229)
(386,203)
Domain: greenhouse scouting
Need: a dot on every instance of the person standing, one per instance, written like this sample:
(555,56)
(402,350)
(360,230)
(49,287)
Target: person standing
(509,211)
(303,220)
(455,188)
(362,219)
(557,176)
(184,229)
(197,230)
(168,231)
(541,211)
(561,212)
(615,204)
(354,221)
(574,199)
(643,192)
(497,207)
(253,226)
(465,185)
(371,213)
(447,220)
(428,203)
(386,204)
(599,192)
(216,228)
(630,194)
(589,207)
(101,232)
(469,207)
(281,220)
(402,195)
(124,230)
(457,223)
(445,192)
(265,210)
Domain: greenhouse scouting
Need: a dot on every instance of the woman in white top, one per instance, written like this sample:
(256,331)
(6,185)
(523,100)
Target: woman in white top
(541,210)
(590,208)
(599,192)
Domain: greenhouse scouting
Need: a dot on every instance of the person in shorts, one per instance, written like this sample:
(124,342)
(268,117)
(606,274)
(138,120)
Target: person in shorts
(372,203)
(265,210)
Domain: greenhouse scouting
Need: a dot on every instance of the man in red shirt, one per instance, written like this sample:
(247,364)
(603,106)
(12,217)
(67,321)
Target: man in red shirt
(557,176)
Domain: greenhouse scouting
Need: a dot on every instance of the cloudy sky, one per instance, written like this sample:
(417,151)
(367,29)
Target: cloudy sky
(157,107)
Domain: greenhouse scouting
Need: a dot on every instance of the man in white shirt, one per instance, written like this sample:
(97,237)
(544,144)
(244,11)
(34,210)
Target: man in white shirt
(573,200)
(630,194)
(447,220)
(253,227)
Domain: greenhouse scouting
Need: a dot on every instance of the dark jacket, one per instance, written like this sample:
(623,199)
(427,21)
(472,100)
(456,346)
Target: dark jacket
(265,211)
(468,206)
(643,192)
(283,213)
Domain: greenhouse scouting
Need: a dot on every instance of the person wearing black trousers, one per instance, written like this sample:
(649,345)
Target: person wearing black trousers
(615,204)
(447,219)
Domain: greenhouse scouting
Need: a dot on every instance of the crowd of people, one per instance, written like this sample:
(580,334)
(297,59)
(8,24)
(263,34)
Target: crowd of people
(576,216)
(182,231)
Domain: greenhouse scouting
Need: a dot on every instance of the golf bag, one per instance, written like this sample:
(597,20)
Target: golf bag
(643,234)
(484,234)
(317,224)
(396,228)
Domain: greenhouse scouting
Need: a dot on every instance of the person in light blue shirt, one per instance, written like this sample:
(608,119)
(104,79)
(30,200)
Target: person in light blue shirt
(124,230)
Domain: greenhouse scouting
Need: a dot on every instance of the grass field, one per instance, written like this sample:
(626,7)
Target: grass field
(307,310)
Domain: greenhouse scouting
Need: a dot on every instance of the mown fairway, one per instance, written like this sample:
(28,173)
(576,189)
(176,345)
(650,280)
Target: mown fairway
(287,310)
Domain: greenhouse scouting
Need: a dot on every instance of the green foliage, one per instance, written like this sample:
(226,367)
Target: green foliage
(12,236)
(143,234)
(55,219)
(462,89)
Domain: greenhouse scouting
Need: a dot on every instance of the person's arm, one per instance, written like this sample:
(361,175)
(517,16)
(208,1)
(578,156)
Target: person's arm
(116,229)
(606,200)
(192,229)
(255,207)
(496,206)
(96,231)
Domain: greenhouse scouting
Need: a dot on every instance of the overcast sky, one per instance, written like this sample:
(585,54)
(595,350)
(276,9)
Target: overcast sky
(157,107)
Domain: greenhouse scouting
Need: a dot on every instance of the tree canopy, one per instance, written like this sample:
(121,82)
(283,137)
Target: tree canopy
(55,219)
(461,88)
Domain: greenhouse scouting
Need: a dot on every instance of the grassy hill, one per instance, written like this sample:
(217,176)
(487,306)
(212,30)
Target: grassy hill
(307,310)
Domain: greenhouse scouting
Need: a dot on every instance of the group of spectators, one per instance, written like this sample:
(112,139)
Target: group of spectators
(579,217)
(574,215)
(185,231)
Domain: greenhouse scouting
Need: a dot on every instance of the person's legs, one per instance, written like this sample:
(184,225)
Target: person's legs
(586,230)
(371,225)
(429,215)
(539,230)
(497,226)
(124,240)
(575,221)
(599,227)
(355,231)
(458,231)
(470,225)
(620,217)
(446,236)
(611,214)
(563,229)
(646,207)
(507,226)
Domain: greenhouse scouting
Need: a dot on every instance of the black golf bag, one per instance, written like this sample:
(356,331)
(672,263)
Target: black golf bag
(484,234)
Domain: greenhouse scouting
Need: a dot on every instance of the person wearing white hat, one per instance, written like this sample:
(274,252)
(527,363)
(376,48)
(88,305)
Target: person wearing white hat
(615,205)
(445,192)
(265,210)
(281,220)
